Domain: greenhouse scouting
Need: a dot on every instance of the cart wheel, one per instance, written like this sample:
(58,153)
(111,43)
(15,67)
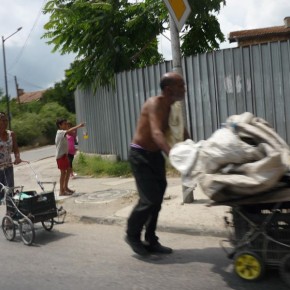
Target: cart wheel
(249,266)
(61,214)
(48,224)
(284,269)
(8,228)
(26,230)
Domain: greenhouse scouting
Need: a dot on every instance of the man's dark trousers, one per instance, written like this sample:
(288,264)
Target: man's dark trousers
(150,175)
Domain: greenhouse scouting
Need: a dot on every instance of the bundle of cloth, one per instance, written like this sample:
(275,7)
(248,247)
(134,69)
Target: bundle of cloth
(245,157)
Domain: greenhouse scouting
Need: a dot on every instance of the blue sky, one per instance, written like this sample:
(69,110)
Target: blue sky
(30,59)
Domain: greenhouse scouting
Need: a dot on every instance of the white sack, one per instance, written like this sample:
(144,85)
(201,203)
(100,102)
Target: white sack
(250,169)
(244,180)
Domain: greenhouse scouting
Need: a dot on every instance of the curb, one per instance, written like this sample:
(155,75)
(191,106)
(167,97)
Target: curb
(114,220)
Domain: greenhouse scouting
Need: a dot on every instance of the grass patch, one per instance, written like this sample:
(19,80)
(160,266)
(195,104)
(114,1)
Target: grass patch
(98,167)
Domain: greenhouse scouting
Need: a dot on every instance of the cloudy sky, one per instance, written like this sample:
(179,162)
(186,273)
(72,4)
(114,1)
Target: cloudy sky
(30,59)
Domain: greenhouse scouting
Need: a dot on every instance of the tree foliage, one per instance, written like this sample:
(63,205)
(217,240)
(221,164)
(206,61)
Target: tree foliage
(49,113)
(60,94)
(202,32)
(110,36)
(26,130)
(38,127)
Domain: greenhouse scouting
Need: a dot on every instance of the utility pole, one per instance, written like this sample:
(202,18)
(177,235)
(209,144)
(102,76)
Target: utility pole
(5,76)
(17,90)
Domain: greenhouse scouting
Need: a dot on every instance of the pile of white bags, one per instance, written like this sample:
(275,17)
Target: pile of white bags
(244,158)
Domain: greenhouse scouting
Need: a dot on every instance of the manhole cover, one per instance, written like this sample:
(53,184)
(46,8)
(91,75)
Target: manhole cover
(102,196)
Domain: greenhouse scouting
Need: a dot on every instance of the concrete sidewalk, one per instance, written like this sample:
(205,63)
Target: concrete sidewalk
(110,200)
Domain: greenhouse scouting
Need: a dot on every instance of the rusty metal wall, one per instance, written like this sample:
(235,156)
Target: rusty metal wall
(219,84)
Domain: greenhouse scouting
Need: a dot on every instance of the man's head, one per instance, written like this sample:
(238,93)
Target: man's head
(173,86)
(61,123)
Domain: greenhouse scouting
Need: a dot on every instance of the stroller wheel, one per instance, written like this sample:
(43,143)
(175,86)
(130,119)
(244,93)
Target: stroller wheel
(26,230)
(284,269)
(47,224)
(8,228)
(249,266)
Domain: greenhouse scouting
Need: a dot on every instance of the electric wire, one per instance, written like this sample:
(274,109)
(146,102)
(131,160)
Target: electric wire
(29,35)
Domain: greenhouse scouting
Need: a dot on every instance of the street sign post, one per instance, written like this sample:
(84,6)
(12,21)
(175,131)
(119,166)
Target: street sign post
(179,10)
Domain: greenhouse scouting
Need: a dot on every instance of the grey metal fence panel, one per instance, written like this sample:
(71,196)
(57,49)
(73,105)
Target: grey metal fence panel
(219,84)
(98,111)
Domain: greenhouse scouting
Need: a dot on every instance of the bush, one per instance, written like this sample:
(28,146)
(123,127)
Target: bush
(49,113)
(28,129)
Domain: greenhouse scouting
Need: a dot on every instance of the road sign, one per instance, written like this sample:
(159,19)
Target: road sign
(179,10)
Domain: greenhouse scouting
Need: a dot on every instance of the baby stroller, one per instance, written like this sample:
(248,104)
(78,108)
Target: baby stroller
(25,208)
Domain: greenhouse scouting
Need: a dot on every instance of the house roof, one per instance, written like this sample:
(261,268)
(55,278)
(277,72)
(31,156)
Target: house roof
(259,33)
(32,96)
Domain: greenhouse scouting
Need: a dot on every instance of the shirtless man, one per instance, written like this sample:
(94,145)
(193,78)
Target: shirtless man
(148,165)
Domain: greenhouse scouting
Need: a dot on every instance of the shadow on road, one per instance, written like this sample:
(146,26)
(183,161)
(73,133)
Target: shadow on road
(221,265)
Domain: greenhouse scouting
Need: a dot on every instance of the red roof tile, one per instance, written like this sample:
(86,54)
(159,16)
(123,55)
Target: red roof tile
(32,96)
(258,33)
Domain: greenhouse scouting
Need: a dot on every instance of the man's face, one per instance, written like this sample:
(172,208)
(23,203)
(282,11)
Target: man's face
(178,90)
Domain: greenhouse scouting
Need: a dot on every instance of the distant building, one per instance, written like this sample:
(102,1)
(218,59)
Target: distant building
(29,97)
(261,35)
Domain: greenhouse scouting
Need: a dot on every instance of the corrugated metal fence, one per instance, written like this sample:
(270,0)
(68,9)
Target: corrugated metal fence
(255,79)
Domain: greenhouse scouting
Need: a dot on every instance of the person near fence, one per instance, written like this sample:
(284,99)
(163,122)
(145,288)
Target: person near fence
(62,160)
(8,144)
(148,165)
(71,140)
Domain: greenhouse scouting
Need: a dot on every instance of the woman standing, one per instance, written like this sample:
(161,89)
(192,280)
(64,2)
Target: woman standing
(8,144)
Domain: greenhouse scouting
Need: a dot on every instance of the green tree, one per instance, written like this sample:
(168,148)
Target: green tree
(60,94)
(49,113)
(111,36)
(107,36)
(202,30)
(28,129)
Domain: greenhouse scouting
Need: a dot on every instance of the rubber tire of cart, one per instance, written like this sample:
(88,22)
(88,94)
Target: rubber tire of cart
(27,232)
(284,269)
(249,266)
(61,215)
(48,224)
(11,232)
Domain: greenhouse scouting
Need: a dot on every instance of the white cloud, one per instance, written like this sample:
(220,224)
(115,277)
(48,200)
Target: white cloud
(28,57)
(251,14)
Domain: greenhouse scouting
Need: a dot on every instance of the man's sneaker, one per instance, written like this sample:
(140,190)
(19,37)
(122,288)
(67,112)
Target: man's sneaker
(137,246)
(157,248)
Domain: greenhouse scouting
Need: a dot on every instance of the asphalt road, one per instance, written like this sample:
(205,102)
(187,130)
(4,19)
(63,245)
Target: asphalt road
(38,153)
(94,257)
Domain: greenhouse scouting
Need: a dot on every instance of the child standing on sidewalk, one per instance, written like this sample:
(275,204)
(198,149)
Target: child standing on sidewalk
(62,160)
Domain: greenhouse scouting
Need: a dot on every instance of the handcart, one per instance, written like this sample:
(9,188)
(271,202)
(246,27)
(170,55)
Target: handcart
(260,234)
(25,208)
